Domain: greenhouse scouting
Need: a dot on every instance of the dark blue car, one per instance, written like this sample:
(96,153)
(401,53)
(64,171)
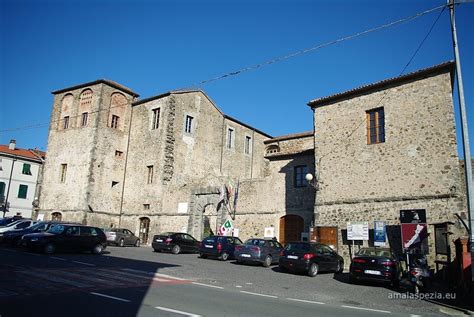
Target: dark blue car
(264,251)
(220,247)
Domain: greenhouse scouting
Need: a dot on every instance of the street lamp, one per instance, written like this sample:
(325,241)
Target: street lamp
(312,181)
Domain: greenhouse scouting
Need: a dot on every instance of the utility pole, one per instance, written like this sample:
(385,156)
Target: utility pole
(465,134)
(5,206)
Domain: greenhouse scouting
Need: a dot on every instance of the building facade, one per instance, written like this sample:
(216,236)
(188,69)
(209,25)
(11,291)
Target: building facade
(20,180)
(387,147)
(165,163)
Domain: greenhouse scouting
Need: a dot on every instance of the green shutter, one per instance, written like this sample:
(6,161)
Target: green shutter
(26,169)
(22,191)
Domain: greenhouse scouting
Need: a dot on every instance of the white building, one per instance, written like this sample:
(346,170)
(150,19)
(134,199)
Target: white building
(20,172)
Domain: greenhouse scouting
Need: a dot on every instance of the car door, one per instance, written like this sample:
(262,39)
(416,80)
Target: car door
(70,239)
(189,242)
(127,237)
(330,257)
(276,248)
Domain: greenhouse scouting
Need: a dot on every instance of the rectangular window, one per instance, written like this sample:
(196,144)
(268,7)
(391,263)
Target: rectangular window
(115,122)
(26,169)
(146,206)
(156,119)
(230,138)
(188,127)
(85,116)
(66,122)
(375,126)
(300,176)
(248,142)
(23,191)
(63,173)
(150,174)
(2,192)
(118,153)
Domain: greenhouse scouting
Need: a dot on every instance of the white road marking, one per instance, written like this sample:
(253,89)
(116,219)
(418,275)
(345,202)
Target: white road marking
(305,301)
(84,263)
(111,297)
(155,274)
(214,286)
(56,258)
(369,309)
(238,286)
(177,311)
(271,296)
(249,283)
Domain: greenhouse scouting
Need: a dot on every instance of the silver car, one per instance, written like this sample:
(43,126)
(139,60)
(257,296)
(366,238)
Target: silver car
(121,237)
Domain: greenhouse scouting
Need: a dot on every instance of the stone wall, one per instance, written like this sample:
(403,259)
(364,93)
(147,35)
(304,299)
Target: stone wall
(416,167)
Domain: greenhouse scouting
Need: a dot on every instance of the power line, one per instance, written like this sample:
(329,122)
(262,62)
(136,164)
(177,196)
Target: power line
(269,62)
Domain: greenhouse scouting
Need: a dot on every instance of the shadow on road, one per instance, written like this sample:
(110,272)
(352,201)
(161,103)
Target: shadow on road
(66,284)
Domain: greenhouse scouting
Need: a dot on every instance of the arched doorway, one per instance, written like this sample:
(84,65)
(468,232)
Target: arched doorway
(56,216)
(291,227)
(144,229)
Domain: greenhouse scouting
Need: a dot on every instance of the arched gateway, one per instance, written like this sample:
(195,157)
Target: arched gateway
(205,205)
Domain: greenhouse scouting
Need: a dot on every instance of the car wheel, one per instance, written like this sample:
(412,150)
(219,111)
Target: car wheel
(137,243)
(121,243)
(268,261)
(98,248)
(225,256)
(202,256)
(176,249)
(339,267)
(313,270)
(49,248)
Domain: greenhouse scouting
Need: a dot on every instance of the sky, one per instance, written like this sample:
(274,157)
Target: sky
(156,46)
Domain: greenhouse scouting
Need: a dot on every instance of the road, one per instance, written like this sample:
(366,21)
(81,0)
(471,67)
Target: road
(138,282)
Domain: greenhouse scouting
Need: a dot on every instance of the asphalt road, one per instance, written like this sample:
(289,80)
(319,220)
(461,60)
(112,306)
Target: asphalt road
(138,282)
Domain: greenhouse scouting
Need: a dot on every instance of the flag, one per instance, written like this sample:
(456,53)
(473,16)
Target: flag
(225,228)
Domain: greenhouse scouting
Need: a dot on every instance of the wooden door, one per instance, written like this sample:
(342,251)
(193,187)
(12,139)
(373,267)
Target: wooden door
(144,228)
(291,227)
(325,235)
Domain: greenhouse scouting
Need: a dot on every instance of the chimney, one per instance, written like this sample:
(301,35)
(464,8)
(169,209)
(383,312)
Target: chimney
(12,144)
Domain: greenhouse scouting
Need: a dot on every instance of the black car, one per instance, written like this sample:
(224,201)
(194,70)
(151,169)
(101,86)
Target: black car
(220,247)
(375,264)
(310,257)
(176,242)
(13,237)
(264,251)
(7,220)
(66,237)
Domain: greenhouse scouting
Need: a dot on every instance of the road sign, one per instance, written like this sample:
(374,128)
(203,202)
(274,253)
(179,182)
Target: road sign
(358,230)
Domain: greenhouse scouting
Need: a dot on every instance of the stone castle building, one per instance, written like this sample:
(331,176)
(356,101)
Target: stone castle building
(159,164)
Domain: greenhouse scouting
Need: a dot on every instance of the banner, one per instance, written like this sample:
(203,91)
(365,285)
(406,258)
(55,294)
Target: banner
(414,231)
(226,228)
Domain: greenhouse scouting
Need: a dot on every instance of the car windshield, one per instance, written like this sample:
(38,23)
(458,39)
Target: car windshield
(257,242)
(298,247)
(38,225)
(374,252)
(56,229)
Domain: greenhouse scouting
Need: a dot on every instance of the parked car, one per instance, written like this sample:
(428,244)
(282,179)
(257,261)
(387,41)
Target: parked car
(220,247)
(13,237)
(264,251)
(121,237)
(310,257)
(375,264)
(7,220)
(18,224)
(176,242)
(66,237)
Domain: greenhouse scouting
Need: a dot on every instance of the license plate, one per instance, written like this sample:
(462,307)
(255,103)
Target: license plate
(372,272)
(245,255)
(159,240)
(294,257)
(208,246)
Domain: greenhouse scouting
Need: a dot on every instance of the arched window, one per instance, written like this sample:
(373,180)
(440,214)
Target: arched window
(66,112)
(118,103)
(85,105)
(272,149)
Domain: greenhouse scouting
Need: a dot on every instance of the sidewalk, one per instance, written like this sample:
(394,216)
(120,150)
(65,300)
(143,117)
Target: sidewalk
(443,294)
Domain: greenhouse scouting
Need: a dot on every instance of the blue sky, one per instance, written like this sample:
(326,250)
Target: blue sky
(156,46)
